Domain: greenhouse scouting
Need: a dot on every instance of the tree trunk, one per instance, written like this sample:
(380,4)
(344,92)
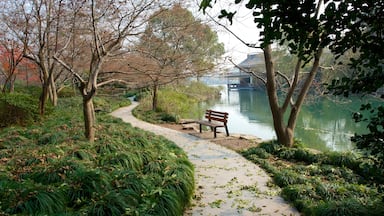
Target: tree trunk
(285,131)
(12,84)
(6,86)
(283,135)
(52,91)
(89,118)
(154,97)
(43,98)
(9,83)
(304,90)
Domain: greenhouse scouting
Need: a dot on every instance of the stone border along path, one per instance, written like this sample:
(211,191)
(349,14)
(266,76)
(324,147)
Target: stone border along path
(226,183)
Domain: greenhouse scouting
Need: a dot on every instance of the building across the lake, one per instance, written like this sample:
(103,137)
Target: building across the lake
(240,76)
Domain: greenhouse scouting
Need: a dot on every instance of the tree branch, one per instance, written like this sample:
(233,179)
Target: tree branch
(249,72)
(113,80)
(69,69)
(292,87)
(232,33)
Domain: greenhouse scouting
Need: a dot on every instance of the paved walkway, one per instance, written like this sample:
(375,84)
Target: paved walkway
(226,183)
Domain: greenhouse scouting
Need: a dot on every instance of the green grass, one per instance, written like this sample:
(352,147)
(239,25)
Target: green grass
(18,109)
(49,168)
(185,101)
(328,183)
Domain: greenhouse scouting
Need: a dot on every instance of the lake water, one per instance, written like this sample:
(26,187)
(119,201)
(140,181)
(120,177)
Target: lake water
(322,124)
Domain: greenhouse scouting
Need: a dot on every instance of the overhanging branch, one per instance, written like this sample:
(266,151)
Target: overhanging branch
(249,72)
(232,33)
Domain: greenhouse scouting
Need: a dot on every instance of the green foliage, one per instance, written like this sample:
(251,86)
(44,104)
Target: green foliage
(135,93)
(365,39)
(110,103)
(271,147)
(286,177)
(350,206)
(18,109)
(49,169)
(259,152)
(372,143)
(33,91)
(177,102)
(331,183)
(291,22)
(67,92)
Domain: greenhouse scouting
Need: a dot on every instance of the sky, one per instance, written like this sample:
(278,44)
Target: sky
(243,26)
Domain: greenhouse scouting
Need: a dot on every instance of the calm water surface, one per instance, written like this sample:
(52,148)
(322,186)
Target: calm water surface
(322,124)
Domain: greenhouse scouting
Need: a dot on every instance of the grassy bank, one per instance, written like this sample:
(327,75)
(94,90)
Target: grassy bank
(48,168)
(330,183)
(186,101)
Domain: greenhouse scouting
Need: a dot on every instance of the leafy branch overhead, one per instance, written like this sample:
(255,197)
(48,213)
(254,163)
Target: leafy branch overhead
(293,22)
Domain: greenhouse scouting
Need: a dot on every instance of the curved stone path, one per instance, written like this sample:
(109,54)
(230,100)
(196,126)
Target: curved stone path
(226,183)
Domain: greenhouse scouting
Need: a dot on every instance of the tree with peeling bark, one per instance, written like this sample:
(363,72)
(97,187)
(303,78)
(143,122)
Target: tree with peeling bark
(107,27)
(175,46)
(302,26)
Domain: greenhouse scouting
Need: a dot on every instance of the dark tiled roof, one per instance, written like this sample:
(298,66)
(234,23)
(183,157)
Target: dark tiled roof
(252,60)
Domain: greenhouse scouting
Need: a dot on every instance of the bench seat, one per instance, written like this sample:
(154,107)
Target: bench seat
(214,119)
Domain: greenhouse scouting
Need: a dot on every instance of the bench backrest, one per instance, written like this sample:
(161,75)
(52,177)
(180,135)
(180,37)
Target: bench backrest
(216,116)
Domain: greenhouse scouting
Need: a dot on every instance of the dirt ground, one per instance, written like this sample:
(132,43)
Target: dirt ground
(236,142)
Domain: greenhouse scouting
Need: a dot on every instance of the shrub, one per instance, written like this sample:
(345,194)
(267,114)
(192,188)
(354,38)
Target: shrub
(271,147)
(260,152)
(167,117)
(18,109)
(343,207)
(347,159)
(295,192)
(372,142)
(287,177)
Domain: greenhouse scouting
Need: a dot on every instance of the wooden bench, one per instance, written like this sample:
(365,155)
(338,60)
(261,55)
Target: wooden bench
(214,119)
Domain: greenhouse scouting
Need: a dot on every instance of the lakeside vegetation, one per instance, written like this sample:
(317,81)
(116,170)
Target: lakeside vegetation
(184,101)
(316,183)
(48,167)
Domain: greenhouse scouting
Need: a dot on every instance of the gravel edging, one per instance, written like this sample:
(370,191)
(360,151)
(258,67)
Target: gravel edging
(226,183)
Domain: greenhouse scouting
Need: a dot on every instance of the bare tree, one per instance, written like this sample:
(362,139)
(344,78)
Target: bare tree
(110,26)
(41,26)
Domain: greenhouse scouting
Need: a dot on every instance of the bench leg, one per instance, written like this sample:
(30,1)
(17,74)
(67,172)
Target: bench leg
(200,127)
(214,132)
(226,130)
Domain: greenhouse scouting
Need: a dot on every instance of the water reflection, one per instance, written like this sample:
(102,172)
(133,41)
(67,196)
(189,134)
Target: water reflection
(322,125)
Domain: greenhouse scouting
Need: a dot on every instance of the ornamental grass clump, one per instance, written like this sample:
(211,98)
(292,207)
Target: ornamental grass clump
(329,183)
(126,171)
